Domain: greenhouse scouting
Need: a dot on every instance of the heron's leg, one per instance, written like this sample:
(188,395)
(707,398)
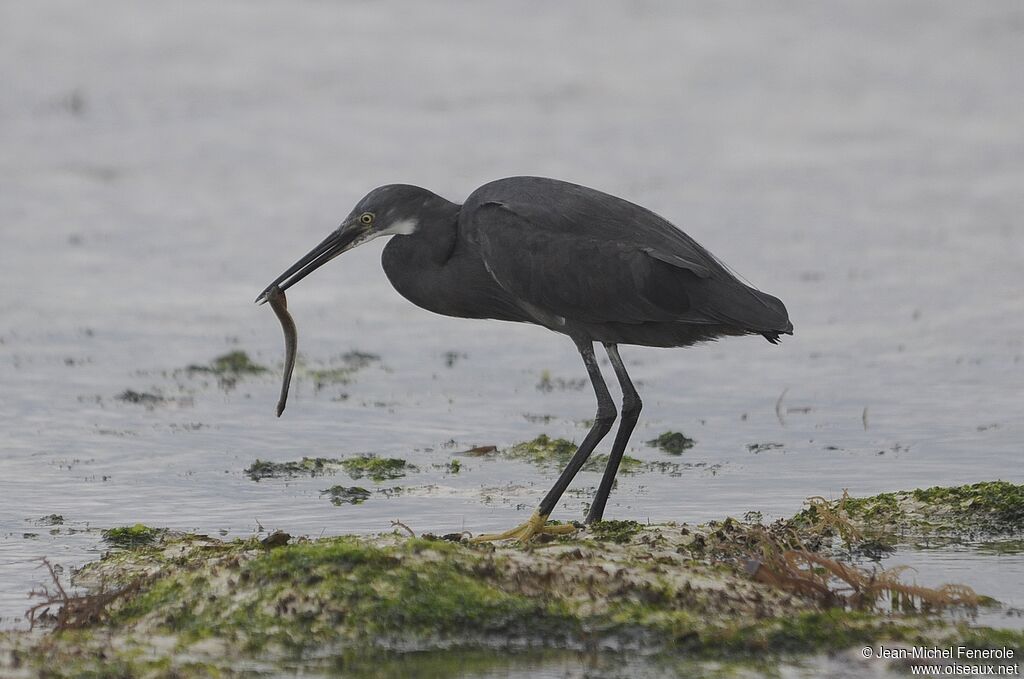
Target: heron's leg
(602,424)
(631,405)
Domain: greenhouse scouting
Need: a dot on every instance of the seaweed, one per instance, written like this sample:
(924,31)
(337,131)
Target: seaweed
(672,442)
(351,363)
(233,363)
(307,466)
(350,495)
(376,468)
(545,451)
(130,537)
(745,589)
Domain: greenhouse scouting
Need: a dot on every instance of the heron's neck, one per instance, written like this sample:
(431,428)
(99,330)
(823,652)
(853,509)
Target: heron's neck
(430,244)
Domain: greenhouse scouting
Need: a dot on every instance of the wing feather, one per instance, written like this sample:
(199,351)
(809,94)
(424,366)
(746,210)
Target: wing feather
(583,254)
(585,279)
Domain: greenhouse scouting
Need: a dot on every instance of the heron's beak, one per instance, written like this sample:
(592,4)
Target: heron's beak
(346,237)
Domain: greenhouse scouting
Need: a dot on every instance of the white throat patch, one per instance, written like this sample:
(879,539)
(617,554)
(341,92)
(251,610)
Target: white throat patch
(400,228)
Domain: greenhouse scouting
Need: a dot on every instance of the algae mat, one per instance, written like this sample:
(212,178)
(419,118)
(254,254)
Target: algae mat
(616,599)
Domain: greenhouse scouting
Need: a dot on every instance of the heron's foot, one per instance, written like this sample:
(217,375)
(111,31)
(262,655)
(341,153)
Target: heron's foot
(536,525)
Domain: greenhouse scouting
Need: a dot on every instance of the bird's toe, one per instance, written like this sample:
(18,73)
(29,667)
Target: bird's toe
(525,532)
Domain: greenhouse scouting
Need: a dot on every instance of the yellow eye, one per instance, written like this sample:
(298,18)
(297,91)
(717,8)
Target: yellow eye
(366,218)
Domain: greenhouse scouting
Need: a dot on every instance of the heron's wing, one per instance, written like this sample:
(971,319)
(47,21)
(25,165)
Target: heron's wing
(553,205)
(583,276)
(594,256)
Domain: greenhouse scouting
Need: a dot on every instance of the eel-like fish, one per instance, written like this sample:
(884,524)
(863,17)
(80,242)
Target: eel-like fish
(279,303)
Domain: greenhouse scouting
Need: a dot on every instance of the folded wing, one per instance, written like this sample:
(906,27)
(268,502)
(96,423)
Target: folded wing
(595,258)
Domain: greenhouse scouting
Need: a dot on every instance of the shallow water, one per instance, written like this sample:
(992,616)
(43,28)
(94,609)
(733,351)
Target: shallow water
(162,164)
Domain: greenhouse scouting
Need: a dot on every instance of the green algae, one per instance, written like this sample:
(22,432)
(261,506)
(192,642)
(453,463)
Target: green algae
(615,531)
(441,599)
(828,630)
(323,377)
(351,363)
(376,468)
(545,451)
(367,465)
(307,466)
(338,555)
(231,364)
(228,368)
(360,593)
(218,605)
(130,537)
(993,506)
(970,511)
(548,383)
(342,590)
(144,398)
(454,466)
(763,446)
(346,495)
(1001,547)
(672,442)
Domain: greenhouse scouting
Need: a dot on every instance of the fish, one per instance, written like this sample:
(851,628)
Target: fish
(279,303)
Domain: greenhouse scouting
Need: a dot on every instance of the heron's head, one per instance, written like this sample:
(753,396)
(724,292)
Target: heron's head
(392,210)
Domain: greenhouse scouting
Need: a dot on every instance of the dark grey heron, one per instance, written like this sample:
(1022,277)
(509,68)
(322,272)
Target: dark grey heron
(572,259)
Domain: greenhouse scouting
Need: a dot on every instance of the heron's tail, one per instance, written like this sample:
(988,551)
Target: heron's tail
(750,311)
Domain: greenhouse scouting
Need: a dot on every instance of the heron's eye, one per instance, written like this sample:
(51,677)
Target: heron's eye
(366,218)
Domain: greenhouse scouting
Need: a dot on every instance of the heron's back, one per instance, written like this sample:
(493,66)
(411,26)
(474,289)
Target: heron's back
(596,261)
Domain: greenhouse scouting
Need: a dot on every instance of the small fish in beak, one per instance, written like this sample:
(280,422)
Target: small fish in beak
(279,303)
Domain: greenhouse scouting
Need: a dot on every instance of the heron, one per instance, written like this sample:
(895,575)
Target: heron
(577,261)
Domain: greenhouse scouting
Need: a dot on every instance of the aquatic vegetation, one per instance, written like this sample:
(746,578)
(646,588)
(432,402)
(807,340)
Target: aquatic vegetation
(677,593)
(323,377)
(452,357)
(545,451)
(992,506)
(376,468)
(672,442)
(145,398)
(1001,547)
(231,364)
(228,368)
(969,511)
(346,495)
(129,537)
(627,465)
(615,531)
(479,451)
(351,362)
(831,629)
(66,611)
(761,447)
(547,383)
(367,465)
(453,466)
(307,466)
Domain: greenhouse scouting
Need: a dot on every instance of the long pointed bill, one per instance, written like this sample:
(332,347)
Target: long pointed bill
(344,238)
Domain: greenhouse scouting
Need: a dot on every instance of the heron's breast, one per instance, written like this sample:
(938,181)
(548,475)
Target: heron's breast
(460,287)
